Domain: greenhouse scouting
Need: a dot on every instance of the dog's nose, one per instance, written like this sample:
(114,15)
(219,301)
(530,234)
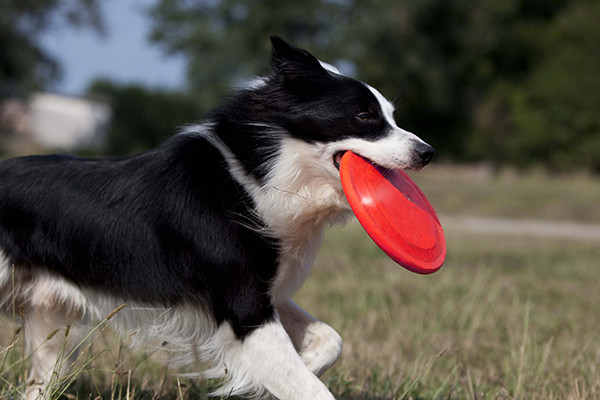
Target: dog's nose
(425,153)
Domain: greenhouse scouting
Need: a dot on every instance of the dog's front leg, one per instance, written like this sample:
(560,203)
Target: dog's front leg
(266,358)
(318,344)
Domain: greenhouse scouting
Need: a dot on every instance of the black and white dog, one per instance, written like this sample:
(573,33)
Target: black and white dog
(206,237)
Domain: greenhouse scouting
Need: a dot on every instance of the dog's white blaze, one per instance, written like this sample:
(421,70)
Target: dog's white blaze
(386,106)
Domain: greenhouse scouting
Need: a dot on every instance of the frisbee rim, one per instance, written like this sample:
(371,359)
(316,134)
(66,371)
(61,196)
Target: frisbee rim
(368,211)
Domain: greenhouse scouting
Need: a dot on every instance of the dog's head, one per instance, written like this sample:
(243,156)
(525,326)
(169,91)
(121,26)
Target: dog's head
(337,113)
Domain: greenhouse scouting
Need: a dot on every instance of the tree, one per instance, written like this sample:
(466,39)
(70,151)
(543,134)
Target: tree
(442,58)
(478,79)
(24,65)
(549,116)
(555,112)
(226,41)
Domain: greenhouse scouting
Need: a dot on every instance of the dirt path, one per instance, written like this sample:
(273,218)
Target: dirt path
(522,227)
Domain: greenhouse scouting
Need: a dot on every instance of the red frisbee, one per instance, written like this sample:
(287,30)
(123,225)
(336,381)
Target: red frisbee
(395,214)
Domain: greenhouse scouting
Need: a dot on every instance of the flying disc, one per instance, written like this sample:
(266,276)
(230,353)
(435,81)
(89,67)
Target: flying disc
(395,213)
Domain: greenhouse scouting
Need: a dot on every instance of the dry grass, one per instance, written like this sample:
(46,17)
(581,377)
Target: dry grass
(504,318)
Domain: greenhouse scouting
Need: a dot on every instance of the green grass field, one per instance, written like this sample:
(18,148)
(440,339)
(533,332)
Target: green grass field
(506,317)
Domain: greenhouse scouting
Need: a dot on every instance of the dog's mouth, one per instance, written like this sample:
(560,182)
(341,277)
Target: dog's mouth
(337,158)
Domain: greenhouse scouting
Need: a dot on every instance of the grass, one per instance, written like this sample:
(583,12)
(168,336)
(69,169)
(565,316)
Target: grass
(505,318)
(536,195)
(509,318)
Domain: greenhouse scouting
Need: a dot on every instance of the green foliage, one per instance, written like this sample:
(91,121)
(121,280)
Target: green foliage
(508,82)
(142,118)
(555,112)
(226,41)
(548,115)
(24,65)
(481,80)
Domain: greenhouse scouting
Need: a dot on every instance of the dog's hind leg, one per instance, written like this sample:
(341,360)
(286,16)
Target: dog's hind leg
(318,344)
(51,347)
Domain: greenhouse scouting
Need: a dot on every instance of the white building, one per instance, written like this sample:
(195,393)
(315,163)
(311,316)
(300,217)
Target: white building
(54,121)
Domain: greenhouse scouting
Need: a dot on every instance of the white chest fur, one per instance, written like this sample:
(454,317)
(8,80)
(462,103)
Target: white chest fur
(300,200)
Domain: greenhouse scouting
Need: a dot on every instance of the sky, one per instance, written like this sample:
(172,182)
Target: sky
(124,54)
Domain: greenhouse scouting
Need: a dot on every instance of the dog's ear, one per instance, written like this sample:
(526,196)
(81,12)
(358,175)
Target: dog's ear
(293,63)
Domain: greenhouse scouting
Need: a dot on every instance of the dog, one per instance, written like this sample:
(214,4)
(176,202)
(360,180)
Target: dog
(206,237)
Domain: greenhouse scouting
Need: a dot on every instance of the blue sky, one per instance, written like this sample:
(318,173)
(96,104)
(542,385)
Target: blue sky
(124,54)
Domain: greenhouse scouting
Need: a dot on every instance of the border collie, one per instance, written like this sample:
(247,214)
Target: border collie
(206,237)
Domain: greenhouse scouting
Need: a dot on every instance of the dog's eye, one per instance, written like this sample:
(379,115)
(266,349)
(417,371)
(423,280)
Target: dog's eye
(364,116)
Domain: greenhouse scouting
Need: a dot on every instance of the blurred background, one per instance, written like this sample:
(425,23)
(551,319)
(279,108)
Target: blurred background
(508,91)
(508,83)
